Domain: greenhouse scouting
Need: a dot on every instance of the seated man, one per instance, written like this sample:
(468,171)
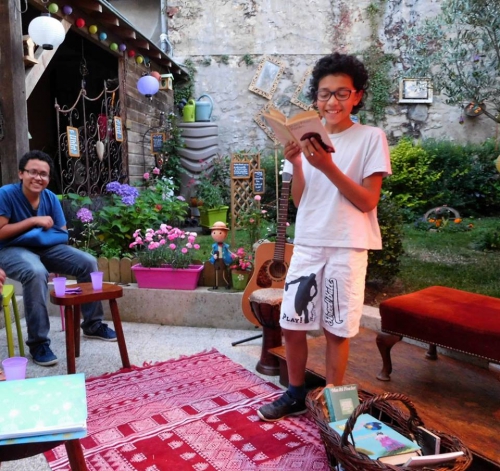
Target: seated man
(33,243)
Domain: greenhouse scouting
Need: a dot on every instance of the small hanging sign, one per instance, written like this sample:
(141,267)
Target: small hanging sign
(258,182)
(157,140)
(118,129)
(73,141)
(240,170)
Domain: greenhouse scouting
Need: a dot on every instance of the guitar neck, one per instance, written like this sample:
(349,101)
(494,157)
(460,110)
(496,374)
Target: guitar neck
(279,250)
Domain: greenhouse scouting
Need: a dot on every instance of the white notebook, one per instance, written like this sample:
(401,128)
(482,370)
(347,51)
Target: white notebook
(42,406)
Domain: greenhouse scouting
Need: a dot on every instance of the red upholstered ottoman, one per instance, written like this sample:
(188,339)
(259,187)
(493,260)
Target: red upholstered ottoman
(445,317)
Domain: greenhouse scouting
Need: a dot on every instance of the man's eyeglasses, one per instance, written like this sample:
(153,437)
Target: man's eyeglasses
(35,173)
(341,95)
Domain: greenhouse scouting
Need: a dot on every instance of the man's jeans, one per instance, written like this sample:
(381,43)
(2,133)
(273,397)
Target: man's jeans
(31,267)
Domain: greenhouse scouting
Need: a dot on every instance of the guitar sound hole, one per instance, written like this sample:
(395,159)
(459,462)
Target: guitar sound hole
(277,270)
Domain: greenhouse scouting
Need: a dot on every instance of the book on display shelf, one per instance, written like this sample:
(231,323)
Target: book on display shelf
(341,400)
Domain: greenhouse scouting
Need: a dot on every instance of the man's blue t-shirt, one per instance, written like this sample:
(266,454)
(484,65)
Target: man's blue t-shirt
(16,207)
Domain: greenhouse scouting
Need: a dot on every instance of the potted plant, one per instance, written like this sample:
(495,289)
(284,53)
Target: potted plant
(241,268)
(212,192)
(166,258)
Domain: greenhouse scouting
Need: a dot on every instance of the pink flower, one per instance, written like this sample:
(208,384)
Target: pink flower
(146,176)
(184,250)
(257,198)
(172,246)
(156,171)
(196,246)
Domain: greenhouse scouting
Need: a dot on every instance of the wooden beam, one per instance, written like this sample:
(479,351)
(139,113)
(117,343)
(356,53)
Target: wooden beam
(109,19)
(124,33)
(13,110)
(88,5)
(43,57)
(141,44)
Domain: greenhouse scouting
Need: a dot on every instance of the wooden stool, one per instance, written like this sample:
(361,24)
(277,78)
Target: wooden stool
(266,307)
(9,295)
(72,314)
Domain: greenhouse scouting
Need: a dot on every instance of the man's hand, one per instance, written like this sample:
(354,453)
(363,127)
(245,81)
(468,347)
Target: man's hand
(44,221)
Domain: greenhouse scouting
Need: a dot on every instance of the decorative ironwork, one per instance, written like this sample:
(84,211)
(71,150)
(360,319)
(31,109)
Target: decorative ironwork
(100,154)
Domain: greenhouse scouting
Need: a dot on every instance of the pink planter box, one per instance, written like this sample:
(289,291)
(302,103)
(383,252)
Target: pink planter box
(168,277)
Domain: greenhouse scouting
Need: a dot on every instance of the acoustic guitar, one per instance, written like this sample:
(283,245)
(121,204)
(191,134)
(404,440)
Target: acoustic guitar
(271,258)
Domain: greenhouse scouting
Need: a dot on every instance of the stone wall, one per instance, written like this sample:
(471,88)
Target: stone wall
(218,35)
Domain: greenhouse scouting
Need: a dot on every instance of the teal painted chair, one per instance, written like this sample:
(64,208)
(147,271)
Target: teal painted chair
(9,296)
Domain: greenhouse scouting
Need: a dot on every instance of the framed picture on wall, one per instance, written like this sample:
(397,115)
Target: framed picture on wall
(118,129)
(299,97)
(73,137)
(267,76)
(259,119)
(415,90)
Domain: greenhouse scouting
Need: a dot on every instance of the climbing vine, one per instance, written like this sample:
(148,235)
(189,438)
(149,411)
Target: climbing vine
(378,64)
(186,90)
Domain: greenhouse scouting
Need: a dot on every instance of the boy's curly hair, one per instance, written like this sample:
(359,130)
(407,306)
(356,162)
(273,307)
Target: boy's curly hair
(337,63)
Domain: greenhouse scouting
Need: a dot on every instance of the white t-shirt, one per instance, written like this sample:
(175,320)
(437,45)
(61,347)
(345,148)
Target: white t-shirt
(325,217)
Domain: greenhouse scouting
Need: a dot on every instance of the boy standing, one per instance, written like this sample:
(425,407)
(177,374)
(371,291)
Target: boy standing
(336,195)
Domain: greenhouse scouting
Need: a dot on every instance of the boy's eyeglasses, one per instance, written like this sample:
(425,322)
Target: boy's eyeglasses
(341,95)
(35,173)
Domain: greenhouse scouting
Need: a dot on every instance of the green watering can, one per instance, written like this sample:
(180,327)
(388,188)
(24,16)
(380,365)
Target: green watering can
(188,112)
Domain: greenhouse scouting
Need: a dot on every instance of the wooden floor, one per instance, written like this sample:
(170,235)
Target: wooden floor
(449,395)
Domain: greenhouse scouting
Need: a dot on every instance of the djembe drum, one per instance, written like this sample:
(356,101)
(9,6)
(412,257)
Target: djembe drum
(266,306)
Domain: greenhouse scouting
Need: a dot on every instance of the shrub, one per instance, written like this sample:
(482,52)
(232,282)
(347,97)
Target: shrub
(384,265)
(488,240)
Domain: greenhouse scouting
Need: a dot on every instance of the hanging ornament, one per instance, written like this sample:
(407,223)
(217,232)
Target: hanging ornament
(155,74)
(53,8)
(148,85)
(131,53)
(103,36)
(139,59)
(46,31)
(93,29)
(122,47)
(80,23)
(113,46)
(67,10)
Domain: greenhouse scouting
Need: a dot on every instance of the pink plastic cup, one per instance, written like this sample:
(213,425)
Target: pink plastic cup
(96,277)
(14,368)
(59,285)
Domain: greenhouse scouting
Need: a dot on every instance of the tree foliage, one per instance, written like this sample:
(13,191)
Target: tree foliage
(460,50)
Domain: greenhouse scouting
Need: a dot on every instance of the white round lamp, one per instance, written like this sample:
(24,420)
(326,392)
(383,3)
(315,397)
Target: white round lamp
(46,31)
(148,85)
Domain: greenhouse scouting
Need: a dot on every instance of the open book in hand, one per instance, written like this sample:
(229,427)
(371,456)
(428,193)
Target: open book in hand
(302,126)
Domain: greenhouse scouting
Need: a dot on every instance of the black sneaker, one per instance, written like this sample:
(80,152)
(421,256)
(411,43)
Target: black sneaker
(282,407)
(102,333)
(43,355)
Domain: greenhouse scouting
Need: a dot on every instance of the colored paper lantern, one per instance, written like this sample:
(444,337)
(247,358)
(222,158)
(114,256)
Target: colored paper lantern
(46,31)
(67,10)
(113,46)
(53,8)
(93,29)
(131,53)
(103,36)
(80,23)
(139,59)
(122,47)
(155,74)
(148,85)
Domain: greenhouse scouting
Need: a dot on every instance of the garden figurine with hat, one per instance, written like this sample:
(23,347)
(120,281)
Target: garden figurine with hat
(220,255)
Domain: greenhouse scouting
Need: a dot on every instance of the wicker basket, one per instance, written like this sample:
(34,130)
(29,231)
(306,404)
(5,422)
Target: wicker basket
(339,450)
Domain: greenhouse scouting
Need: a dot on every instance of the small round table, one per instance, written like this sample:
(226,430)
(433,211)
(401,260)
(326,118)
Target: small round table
(72,313)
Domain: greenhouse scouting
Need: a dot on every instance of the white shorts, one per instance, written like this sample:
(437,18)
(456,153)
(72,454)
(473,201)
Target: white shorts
(324,287)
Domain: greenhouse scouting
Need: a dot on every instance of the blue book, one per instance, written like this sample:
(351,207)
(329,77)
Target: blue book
(51,405)
(377,440)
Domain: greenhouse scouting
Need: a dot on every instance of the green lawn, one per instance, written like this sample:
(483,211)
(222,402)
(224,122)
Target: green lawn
(450,259)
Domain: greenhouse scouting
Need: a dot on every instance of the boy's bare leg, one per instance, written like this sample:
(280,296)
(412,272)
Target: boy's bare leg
(296,355)
(337,353)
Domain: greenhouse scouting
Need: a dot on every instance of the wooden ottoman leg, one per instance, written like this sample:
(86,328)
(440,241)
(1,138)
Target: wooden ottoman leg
(384,343)
(432,352)
(77,316)
(70,339)
(75,455)
(115,313)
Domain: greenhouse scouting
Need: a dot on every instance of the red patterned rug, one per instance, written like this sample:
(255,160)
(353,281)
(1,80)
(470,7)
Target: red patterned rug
(196,413)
